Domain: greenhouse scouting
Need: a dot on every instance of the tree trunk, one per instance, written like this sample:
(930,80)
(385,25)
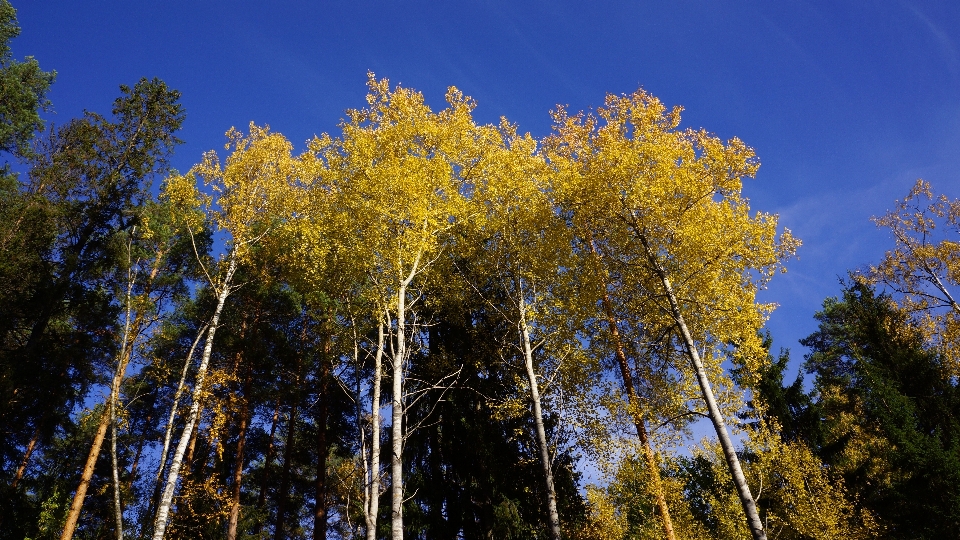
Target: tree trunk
(633,403)
(552,514)
(106,420)
(187,466)
(234,518)
(278,532)
(117,507)
(26,458)
(397,412)
(262,497)
(396,428)
(372,504)
(729,452)
(163,511)
(168,433)
(125,350)
(320,491)
(71,523)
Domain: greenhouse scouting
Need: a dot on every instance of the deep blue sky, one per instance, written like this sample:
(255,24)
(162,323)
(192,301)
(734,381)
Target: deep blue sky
(846,102)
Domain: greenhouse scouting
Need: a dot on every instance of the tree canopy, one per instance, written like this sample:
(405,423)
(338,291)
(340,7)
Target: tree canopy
(422,326)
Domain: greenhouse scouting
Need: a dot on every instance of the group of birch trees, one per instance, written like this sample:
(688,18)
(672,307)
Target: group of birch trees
(429,327)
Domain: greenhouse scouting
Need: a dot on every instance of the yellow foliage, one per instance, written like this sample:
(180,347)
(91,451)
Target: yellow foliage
(252,192)
(923,269)
(798,495)
(639,184)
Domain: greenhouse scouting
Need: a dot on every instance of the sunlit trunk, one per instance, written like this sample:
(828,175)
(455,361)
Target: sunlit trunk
(633,403)
(716,417)
(552,514)
(163,511)
(26,459)
(372,492)
(234,517)
(70,524)
(168,432)
(396,429)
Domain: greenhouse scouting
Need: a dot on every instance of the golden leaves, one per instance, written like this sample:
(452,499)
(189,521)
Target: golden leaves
(652,195)
(923,269)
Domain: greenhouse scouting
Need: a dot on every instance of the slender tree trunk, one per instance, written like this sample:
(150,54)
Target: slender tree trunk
(106,420)
(187,466)
(168,433)
(278,529)
(729,452)
(320,491)
(71,523)
(234,518)
(163,511)
(125,350)
(282,499)
(26,458)
(262,497)
(552,514)
(117,507)
(397,405)
(372,504)
(633,403)
(396,429)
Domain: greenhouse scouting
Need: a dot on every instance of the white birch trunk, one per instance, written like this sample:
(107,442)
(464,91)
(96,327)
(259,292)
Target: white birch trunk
(126,348)
(117,508)
(552,514)
(372,504)
(399,357)
(168,433)
(396,463)
(166,500)
(729,452)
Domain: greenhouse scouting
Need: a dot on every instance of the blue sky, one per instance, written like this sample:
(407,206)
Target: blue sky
(847,103)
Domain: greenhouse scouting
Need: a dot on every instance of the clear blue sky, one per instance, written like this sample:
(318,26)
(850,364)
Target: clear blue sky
(846,102)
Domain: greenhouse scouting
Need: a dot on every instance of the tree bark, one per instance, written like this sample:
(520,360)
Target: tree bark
(396,427)
(278,530)
(372,504)
(552,514)
(234,518)
(168,433)
(397,405)
(163,512)
(26,458)
(106,420)
(729,452)
(117,507)
(71,523)
(320,486)
(125,350)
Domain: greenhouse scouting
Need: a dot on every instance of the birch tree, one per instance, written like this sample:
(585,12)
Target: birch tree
(526,247)
(401,168)
(701,257)
(250,194)
(923,269)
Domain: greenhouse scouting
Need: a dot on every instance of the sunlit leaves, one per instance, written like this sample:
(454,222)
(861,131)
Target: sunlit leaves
(924,267)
